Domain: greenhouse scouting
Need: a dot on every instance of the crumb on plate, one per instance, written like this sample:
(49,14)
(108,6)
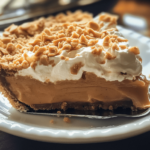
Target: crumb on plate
(66,119)
(52,121)
(58,112)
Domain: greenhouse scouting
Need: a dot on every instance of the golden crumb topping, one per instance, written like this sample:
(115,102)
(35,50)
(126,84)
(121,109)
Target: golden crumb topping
(123,46)
(109,56)
(97,50)
(135,50)
(111,19)
(76,67)
(48,37)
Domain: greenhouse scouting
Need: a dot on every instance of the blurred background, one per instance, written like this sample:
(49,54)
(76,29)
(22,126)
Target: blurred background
(133,14)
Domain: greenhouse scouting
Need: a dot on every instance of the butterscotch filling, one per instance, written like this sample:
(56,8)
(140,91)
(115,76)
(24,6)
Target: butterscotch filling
(72,60)
(89,89)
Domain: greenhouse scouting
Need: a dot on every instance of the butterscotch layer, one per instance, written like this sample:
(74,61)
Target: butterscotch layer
(89,89)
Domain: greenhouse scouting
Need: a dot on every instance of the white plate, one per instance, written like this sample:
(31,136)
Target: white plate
(80,130)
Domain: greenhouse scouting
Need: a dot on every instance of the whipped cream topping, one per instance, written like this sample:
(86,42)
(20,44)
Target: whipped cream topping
(126,64)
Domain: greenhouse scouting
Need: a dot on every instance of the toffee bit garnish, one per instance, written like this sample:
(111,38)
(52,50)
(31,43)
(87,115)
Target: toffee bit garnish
(76,67)
(134,50)
(48,37)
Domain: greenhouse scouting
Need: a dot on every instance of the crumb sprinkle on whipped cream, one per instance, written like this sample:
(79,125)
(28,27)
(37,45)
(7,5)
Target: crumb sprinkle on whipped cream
(63,47)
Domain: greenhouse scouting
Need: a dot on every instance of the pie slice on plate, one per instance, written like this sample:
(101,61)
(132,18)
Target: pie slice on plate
(71,61)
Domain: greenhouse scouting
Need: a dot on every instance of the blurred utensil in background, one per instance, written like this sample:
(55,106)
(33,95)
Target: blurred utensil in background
(134,22)
(4,5)
(16,11)
(134,14)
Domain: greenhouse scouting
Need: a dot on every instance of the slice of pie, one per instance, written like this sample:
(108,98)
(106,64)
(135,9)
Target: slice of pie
(71,61)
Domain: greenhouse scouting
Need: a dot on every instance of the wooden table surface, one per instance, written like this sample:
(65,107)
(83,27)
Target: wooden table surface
(10,142)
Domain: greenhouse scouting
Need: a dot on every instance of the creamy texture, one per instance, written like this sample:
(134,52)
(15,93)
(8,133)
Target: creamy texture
(90,89)
(125,62)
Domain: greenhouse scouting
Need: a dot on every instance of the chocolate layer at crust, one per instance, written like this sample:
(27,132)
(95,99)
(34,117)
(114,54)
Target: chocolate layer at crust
(85,106)
(90,92)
